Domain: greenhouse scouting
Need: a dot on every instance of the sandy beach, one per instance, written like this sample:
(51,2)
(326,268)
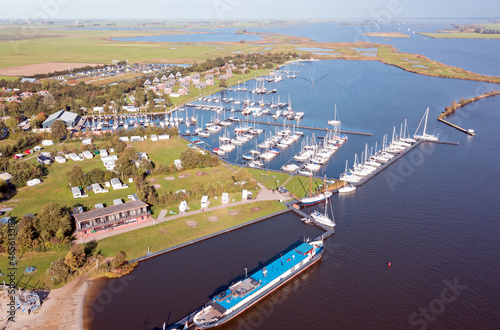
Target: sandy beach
(61,309)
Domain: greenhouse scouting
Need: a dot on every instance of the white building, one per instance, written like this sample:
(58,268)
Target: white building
(117,184)
(60,159)
(103,152)
(87,142)
(47,143)
(75,157)
(183,207)
(204,202)
(77,193)
(87,154)
(225,198)
(97,189)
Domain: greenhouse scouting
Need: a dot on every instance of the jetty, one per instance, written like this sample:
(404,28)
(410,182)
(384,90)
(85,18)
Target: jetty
(305,127)
(470,131)
(384,166)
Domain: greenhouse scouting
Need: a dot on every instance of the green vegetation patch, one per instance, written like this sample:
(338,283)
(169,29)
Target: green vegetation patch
(170,233)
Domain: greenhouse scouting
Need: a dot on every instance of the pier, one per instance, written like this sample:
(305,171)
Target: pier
(470,132)
(384,166)
(305,127)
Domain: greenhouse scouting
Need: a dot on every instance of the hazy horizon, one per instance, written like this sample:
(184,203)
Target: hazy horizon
(203,10)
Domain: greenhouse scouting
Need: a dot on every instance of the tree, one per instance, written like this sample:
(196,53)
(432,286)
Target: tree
(58,271)
(77,177)
(26,233)
(70,261)
(23,171)
(79,254)
(59,130)
(53,220)
(120,259)
(242,175)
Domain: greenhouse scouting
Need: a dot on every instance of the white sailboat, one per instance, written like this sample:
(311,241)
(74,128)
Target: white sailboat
(323,218)
(425,136)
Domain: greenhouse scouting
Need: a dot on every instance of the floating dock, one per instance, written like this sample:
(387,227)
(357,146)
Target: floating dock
(470,132)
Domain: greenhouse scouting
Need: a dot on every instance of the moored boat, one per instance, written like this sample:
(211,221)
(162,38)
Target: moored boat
(245,293)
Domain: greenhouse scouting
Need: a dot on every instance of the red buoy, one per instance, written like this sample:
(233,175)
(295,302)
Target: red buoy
(389,264)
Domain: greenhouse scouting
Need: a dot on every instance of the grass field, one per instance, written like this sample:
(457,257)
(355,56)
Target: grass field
(54,187)
(39,260)
(174,232)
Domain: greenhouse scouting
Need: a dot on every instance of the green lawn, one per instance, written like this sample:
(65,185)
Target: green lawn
(174,232)
(161,151)
(39,260)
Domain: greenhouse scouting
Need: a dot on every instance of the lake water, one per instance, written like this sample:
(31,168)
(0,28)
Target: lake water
(433,215)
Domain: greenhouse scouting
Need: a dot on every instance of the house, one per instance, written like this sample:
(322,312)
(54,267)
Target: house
(185,84)
(60,159)
(74,157)
(33,182)
(70,118)
(196,76)
(200,84)
(209,76)
(204,202)
(156,81)
(43,93)
(178,74)
(30,80)
(44,160)
(5,176)
(225,198)
(117,184)
(210,82)
(26,94)
(88,155)
(147,82)
(154,137)
(47,143)
(103,153)
(183,207)
(163,137)
(109,162)
(223,77)
(97,189)
(87,142)
(183,91)
(135,138)
(163,78)
(77,192)
(100,219)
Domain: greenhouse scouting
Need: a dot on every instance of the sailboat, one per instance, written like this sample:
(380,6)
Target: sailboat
(317,198)
(346,189)
(425,136)
(323,218)
(335,121)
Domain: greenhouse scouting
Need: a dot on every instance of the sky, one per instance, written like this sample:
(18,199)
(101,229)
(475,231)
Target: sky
(247,9)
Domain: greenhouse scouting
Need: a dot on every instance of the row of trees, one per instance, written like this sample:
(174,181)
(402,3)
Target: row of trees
(50,229)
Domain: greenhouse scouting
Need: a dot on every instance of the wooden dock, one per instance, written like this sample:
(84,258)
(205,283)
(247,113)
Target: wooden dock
(470,132)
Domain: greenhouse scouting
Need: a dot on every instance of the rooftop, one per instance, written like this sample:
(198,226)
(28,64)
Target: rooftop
(109,210)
